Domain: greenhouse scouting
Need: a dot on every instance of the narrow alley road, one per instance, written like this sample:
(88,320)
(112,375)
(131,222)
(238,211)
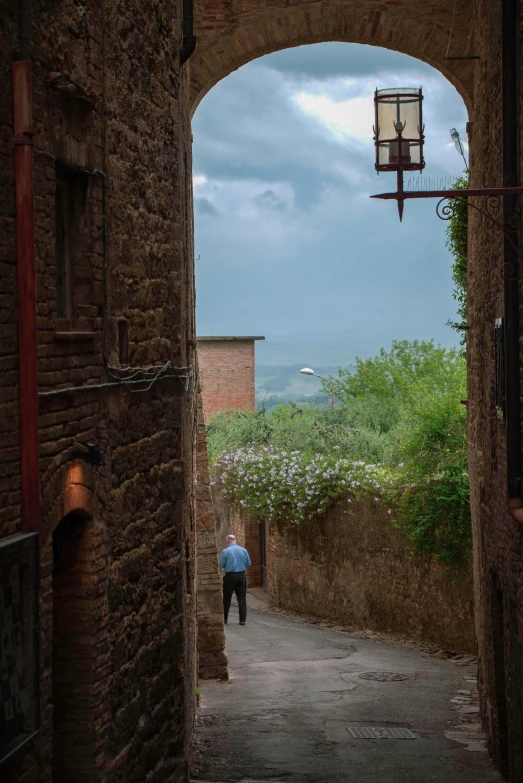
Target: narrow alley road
(296,691)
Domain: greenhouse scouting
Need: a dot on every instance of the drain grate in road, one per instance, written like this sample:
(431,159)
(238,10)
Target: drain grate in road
(359,732)
(383,676)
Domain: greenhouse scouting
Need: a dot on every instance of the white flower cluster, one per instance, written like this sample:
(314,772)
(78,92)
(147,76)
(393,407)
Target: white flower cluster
(291,487)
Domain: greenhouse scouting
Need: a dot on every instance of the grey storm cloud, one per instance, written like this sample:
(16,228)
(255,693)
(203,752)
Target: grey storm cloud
(269,200)
(294,243)
(322,61)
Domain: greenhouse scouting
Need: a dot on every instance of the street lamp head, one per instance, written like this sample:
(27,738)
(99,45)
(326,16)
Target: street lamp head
(398,132)
(307,371)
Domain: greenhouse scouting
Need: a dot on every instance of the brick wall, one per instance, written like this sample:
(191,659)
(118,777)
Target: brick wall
(350,567)
(227,374)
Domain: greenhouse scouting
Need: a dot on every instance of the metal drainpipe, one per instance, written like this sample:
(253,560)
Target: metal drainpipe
(28,381)
(189,39)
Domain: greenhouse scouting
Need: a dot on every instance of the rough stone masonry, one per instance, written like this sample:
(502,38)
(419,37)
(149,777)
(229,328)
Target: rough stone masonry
(115,289)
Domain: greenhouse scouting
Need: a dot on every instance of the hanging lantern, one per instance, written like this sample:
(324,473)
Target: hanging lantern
(398,132)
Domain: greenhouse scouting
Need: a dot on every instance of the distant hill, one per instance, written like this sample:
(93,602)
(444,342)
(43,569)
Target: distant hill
(279,359)
(328,349)
(287,381)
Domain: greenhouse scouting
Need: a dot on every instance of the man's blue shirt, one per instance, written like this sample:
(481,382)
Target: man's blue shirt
(234,558)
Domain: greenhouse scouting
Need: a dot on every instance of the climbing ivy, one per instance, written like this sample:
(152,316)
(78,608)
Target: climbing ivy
(457,243)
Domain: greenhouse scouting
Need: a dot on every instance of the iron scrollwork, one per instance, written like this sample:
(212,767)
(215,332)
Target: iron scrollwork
(492,210)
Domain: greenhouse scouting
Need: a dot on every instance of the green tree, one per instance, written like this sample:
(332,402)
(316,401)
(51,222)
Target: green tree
(432,485)
(393,380)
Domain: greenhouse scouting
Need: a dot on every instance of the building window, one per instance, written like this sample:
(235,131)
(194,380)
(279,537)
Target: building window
(70,205)
(63,258)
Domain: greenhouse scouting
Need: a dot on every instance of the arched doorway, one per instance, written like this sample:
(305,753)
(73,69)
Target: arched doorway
(76,675)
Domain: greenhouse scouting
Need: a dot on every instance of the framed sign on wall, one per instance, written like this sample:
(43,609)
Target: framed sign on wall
(19,631)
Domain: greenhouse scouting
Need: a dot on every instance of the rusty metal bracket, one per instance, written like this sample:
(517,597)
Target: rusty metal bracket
(491,209)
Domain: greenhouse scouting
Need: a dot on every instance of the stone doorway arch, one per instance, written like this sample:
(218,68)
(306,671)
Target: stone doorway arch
(74,563)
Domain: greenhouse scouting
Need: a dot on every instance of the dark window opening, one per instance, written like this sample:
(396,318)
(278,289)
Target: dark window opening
(73,274)
(63,268)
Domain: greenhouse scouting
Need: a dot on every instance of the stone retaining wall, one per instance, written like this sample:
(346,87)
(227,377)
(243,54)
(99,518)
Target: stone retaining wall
(350,567)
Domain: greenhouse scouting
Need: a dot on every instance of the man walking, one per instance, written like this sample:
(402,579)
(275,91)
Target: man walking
(234,559)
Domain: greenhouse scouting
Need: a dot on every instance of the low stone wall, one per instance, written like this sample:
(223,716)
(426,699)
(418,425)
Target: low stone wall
(350,567)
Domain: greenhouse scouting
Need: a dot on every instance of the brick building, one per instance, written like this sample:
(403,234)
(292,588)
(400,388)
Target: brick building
(102,330)
(227,373)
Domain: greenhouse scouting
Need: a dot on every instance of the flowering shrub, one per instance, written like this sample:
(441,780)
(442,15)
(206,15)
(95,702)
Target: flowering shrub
(291,487)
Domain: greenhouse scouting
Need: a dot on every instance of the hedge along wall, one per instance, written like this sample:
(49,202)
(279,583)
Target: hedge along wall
(350,567)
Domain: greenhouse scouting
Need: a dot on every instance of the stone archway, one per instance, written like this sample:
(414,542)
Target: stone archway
(232,34)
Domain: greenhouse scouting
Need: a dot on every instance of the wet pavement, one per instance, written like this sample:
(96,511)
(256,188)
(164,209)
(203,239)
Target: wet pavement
(296,691)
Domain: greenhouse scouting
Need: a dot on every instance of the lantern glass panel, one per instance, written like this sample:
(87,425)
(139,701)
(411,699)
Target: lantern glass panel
(399,113)
(399,104)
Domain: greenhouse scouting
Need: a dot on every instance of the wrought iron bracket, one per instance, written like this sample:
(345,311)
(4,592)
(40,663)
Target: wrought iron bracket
(491,207)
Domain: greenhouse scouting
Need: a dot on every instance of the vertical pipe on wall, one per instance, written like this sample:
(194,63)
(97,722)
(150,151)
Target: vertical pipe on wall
(510,124)
(23,138)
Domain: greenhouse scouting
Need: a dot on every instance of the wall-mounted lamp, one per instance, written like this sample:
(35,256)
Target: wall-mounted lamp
(91,453)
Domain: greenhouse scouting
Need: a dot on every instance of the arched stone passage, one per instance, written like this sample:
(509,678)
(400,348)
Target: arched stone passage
(232,34)
(75,676)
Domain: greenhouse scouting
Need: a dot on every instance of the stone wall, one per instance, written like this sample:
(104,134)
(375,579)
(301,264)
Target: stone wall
(112,131)
(351,568)
(211,631)
(227,373)
(498,539)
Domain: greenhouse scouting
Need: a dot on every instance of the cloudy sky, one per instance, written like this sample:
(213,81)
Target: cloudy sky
(287,239)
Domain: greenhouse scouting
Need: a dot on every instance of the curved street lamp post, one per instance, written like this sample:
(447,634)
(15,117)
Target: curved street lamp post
(308,371)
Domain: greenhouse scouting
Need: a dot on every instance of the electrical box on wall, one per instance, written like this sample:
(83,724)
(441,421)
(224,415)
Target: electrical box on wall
(19,658)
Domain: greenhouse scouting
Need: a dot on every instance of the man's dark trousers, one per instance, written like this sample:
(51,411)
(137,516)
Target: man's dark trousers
(235,582)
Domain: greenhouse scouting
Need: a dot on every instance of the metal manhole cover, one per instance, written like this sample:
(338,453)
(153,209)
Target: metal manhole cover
(377,733)
(383,676)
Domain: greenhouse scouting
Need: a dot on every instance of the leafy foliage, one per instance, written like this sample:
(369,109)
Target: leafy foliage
(398,431)
(457,243)
(393,380)
(432,486)
(351,432)
(291,487)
